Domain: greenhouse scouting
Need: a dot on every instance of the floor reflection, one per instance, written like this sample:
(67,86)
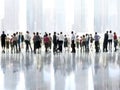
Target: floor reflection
(64,71)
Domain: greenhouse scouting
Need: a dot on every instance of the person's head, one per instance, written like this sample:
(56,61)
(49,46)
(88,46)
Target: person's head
(54,33)
(60,32)
(72,32)
(95,32)
(27,32)
(3,32)
(86,34)
(110,31)
(114,33)
(37,33)
(83,35)
(46,35)
(14,34)
(106,31)
(33,33)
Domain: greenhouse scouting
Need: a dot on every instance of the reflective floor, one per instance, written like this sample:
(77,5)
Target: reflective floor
(65,71)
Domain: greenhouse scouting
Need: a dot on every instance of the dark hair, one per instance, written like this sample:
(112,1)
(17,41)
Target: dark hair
(54,32)
(37,33)
(72,32)
(3,32)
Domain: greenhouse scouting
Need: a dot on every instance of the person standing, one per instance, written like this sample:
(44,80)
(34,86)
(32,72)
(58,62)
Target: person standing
(97,45)
(7,42)
(73,42)
(46,42)
(115,41)
(61,38)
(65,42)
(91,42)
(22,40)
(105,43)
(19,42)
(54,42)
(77,41)
(3,37)
(87,43)
(27,41)
(34,42)
(110,38)
(50,40)
(15,39)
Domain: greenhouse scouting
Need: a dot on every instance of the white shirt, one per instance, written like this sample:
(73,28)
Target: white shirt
(110,36)
(73,37)
(27,37)
(61,37)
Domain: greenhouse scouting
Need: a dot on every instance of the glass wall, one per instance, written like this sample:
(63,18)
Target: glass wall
(81,16)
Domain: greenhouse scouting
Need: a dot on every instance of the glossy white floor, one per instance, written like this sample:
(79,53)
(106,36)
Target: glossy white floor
(65,71)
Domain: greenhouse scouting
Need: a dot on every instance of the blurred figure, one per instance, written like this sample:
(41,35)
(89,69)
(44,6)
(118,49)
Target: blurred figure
(36,42)
(83,43)
(61,38)
(15,43)
(3,37)
(91,42)
(105,42)
(7,42)
(73,42)
(87,43)
(22,40)
(110,38)
(65,42)
(50,40)
(27,41)
(115,41)
(19,42)
(54,42)
(97,44)
(46,42)
(77,41)
(11,43)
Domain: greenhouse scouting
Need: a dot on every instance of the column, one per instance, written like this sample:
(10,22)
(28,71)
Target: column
(60,16)
(89,16)
(77,16)
(11,18)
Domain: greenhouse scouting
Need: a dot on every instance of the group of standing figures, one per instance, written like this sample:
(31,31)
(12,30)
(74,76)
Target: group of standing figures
(85,42)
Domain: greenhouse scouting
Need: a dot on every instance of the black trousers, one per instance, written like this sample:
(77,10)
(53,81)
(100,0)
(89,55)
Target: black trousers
(105,44)
(54,47)
(97,46)
(73,46)
(60,45)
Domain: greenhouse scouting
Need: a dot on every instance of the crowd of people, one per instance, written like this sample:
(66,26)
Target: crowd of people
(17,41)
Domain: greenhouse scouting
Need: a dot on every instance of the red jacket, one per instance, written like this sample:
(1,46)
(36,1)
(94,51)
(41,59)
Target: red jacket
(115,37)
(46,39)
